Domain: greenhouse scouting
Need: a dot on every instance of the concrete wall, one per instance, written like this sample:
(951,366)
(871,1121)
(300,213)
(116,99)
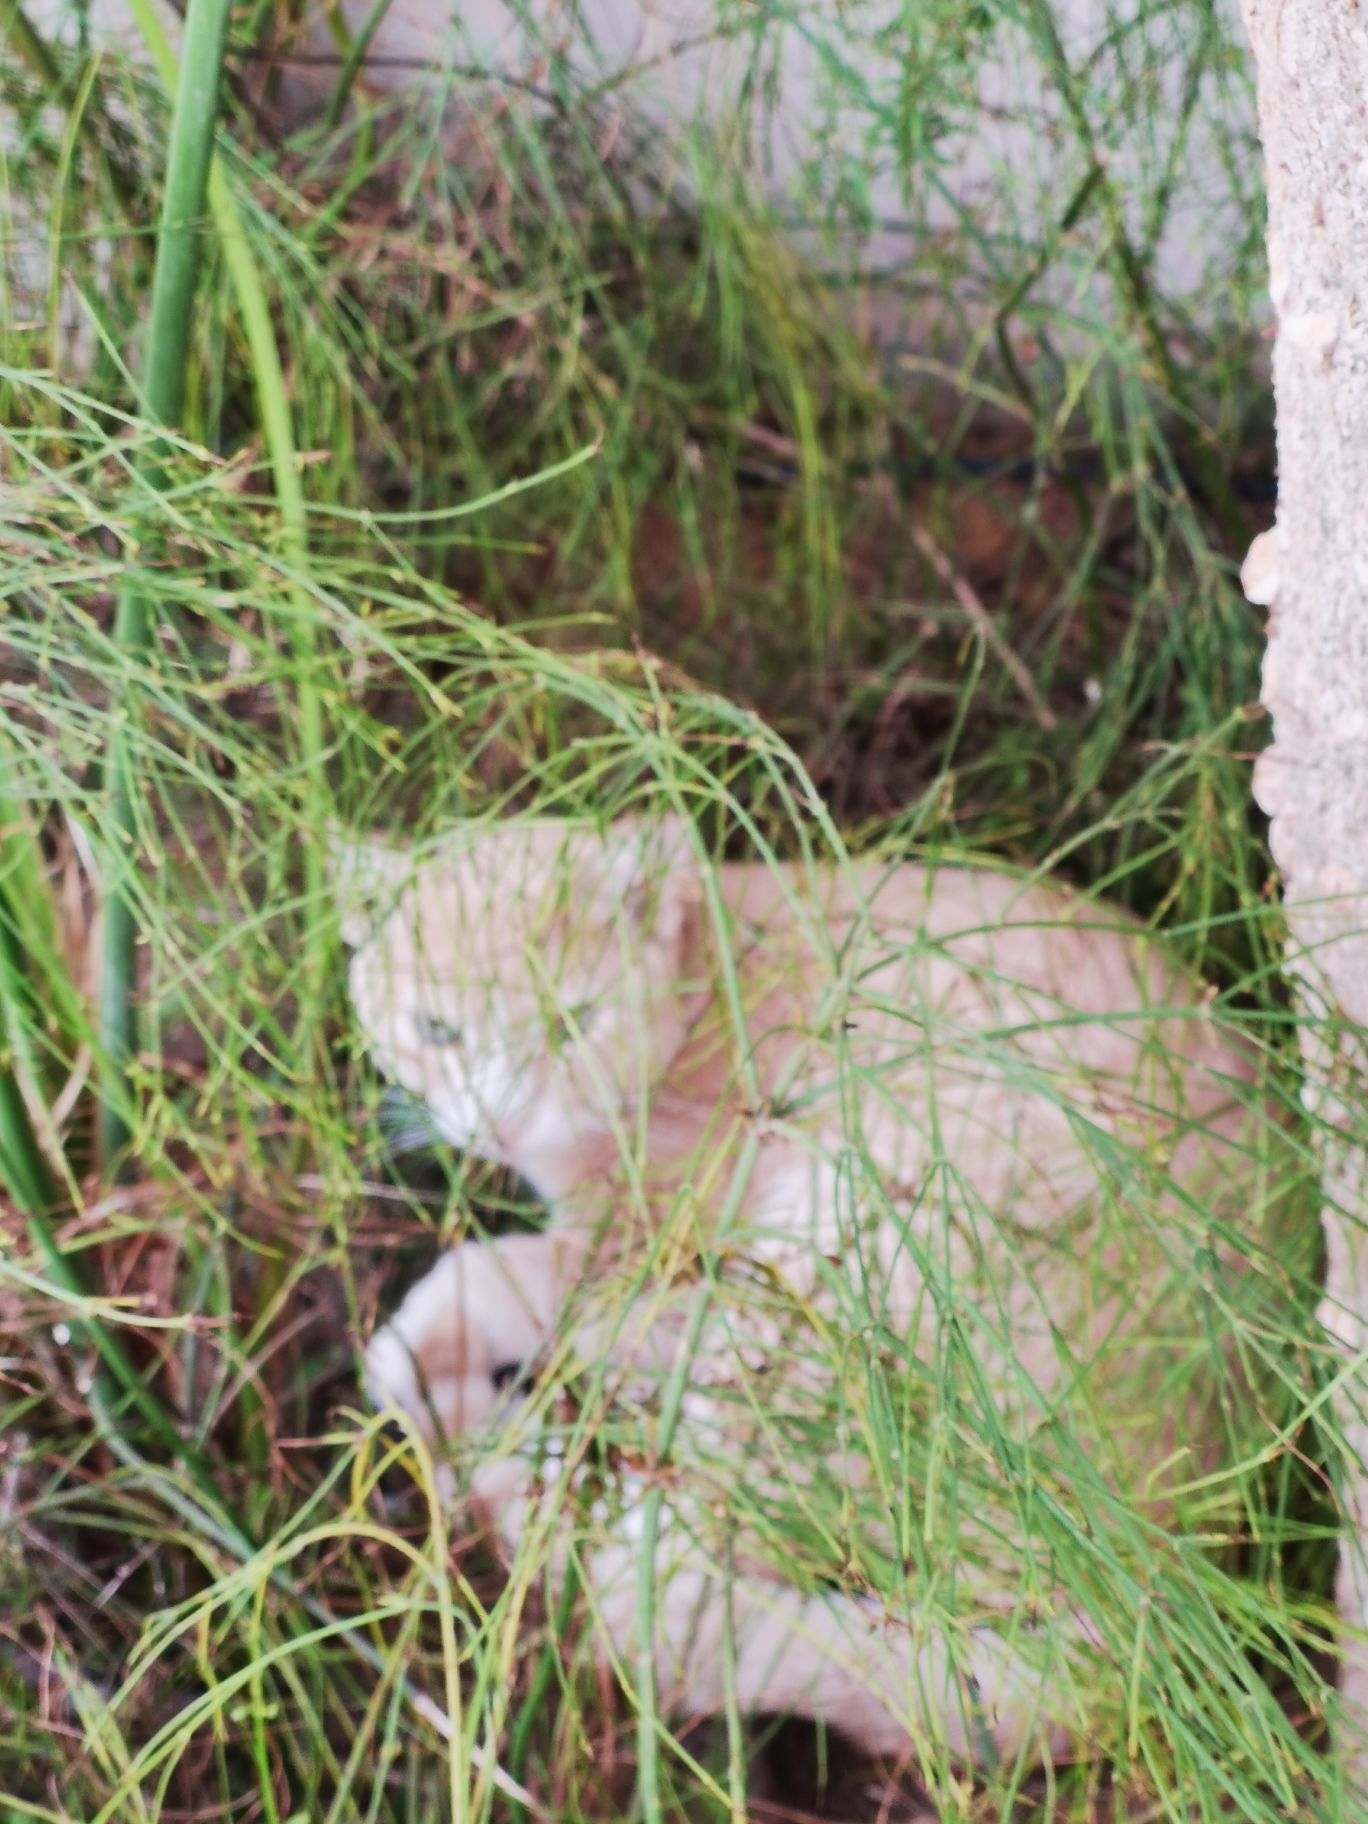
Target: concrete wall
(826,87)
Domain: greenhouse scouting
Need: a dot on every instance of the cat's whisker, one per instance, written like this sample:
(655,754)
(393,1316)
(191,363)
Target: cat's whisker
(406,1123)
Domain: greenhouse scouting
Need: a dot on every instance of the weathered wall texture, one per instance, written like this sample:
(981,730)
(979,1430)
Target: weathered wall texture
(818,78)
(1312,571)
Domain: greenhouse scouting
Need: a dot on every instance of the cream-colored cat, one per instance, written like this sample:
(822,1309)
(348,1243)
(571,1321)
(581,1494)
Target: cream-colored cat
(1002,1114)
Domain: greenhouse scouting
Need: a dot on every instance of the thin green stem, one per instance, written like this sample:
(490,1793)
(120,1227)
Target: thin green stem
(36,1193)
(354,55)
(26,1172)
(28,46)
(1134,281)
(539,1686)
(18,31)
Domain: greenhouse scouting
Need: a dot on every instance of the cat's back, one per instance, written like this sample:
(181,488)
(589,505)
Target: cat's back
(961,934)
(939,1012)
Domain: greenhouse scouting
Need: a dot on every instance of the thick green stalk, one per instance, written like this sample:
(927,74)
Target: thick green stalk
(277,429)
(173,290)
(273,405)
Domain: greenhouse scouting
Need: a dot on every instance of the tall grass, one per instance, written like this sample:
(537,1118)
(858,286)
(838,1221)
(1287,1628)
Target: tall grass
(528,478)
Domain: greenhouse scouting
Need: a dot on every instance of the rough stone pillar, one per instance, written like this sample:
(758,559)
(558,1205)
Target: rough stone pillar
(1311,572)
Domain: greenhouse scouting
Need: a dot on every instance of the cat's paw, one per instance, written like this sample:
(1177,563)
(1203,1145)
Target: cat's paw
(464,1334)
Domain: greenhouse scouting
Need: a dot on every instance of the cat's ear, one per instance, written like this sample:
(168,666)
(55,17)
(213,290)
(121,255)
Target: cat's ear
(364,873)
(652,875)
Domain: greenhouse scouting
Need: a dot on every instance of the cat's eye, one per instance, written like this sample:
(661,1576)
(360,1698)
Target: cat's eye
(438,1032)
(506,1375)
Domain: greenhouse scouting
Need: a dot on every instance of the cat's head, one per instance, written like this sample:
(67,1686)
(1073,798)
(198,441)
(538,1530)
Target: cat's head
(526,981)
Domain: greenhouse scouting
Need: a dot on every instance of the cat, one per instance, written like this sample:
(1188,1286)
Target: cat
(900,1095)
